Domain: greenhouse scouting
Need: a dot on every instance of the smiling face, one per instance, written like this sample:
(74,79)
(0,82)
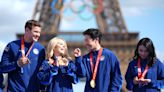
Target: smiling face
(90,43)
(33,34)
(60,48)
(143,52)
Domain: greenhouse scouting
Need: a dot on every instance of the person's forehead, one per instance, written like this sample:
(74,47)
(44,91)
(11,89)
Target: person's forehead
(36,28)
(87,37)
(60,42)
(142,47)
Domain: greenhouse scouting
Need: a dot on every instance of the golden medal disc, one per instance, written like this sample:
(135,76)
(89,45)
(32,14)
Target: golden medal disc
(92,83)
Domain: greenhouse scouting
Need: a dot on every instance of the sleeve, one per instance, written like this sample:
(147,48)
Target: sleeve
(116,77)
(129,78)
(159,83)
(7,63)
(46,73)
(79,62)
(72,72)
(42,55)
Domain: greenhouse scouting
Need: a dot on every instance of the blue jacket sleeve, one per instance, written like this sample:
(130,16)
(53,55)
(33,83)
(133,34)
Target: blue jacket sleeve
(116,77)
(129,78)
(7,63)
(46,73)
(72,72)
(79,62)
(159,83)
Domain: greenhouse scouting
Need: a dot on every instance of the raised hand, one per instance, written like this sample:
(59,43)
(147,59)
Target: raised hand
(77,52)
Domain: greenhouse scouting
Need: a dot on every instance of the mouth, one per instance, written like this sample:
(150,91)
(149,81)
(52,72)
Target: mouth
(35,38)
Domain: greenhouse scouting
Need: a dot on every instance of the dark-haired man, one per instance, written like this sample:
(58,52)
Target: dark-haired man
(22,58)
(100,66)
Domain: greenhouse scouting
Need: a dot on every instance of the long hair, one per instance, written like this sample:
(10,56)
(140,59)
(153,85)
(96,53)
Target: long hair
(146,42)
(52,44)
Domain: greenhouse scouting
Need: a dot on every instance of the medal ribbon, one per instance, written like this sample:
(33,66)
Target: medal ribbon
(140,74)
(97,63)
(23,48)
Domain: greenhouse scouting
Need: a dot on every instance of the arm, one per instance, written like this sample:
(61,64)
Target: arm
(7,63)
(81,72)
(116,77)
(46,73)
(79,62)
(159,83)
(129,78)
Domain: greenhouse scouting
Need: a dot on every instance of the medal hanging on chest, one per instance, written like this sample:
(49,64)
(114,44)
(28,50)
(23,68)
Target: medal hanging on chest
(23,50)
(140,74)
(94,69)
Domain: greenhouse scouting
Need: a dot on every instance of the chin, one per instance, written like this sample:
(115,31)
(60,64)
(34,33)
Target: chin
(88,48)
(143,57)
(35,40)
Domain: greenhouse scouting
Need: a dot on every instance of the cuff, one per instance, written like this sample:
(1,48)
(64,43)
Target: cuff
(78,59)
(73,75)
(54,70)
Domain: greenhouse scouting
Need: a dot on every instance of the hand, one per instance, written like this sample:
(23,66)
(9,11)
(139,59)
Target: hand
(77,52)
(63,62)
(23,61)
(145,81)
(135,80)
(51,61)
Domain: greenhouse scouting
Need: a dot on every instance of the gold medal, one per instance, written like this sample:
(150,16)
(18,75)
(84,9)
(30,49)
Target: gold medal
(92,83)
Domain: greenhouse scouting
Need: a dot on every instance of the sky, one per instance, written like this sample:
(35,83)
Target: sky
(143,16)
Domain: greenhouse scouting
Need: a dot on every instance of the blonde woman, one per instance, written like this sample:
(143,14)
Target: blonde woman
(58,70)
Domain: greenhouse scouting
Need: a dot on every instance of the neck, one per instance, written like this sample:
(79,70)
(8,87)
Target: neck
(26,39)
(97,47)
(57,55)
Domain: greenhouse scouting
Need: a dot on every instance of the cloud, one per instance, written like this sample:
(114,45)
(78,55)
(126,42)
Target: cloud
(139,7)
(14,14)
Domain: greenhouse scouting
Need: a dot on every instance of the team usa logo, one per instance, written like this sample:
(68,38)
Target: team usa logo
(35,51)
(102,58)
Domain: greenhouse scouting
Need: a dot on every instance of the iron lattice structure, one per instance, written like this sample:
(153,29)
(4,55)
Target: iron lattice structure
(109,20)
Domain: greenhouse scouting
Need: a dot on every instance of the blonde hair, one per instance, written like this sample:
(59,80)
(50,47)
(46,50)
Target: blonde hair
(52,44)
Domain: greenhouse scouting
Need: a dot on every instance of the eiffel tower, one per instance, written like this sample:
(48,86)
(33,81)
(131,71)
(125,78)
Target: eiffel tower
(109,20)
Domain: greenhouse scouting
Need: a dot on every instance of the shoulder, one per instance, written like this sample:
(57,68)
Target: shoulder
(12,45)
(45,64)
(107,51)
(39,45)
(15,42)
(133,62)
(158,63)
